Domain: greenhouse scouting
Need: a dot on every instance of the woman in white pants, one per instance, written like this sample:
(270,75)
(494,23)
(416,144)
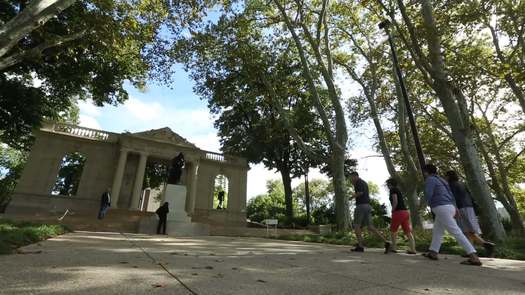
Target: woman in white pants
(441,201)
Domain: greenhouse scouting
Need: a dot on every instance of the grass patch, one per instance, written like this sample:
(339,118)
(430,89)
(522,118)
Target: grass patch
(14,234)
(512,248)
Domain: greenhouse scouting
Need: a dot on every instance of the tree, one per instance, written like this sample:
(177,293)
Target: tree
(11,165)
(312,25)
(452,99)
(227,61)
(54,52)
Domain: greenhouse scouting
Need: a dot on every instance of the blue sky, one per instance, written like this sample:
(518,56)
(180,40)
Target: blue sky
(186,114)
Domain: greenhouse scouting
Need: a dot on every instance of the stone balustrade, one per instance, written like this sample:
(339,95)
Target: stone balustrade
(80,131)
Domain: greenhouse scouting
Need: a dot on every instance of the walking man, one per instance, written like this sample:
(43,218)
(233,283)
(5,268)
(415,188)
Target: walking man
(162,212)
(363,213)
(105,203)
(467,219)
(400,217)
(441,201)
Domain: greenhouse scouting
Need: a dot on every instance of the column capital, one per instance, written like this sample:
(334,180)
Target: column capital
(125,149)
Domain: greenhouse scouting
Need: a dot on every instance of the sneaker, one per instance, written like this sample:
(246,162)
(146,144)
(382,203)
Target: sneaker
(387,247)
(358,249)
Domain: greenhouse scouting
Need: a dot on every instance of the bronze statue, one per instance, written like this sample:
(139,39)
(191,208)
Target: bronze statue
(176,169)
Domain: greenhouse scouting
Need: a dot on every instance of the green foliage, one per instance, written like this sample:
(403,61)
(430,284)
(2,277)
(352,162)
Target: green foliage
(14,234)
(69,174)
(155,175)
(11,164)
(120,41)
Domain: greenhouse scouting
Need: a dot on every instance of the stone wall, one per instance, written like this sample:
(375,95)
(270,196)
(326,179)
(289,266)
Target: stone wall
(33,192)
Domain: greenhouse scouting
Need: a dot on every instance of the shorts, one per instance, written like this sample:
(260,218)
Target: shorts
(363,215)
(401,218)
(468,221)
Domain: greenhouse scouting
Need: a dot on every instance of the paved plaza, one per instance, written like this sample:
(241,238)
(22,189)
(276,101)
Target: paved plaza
(114,263)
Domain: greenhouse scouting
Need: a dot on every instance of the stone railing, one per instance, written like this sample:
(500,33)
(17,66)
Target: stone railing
(79,131)
(215,157)
(225,158)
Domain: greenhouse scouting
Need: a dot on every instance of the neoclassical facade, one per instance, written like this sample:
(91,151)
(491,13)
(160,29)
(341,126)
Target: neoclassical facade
(118,162)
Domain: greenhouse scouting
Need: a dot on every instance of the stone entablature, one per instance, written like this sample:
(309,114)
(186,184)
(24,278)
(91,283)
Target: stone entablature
(118,161)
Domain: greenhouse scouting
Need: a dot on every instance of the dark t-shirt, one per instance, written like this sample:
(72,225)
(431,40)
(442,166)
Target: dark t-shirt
(400,200)
(461,194)
(362,187)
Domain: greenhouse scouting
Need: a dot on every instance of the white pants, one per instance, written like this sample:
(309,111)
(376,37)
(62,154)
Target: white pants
(445,221)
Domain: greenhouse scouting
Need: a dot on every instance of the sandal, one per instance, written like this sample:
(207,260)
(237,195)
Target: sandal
(471,262)
(411,252)
(431,255)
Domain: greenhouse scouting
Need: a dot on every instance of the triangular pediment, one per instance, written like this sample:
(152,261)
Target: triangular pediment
(165,135)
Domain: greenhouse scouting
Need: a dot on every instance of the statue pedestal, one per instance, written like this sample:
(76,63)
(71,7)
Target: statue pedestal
(175,195)
(179,223)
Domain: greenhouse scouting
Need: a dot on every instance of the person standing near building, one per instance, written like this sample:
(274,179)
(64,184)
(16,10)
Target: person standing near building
(467,219)
(363,213)
(105,203)
(400,217)
(162,212)
(441,201)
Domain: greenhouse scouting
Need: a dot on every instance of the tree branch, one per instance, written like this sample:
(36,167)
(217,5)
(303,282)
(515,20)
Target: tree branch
(36,14)
(37,51)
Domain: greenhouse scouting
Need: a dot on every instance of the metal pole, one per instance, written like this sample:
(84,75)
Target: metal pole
(421,158)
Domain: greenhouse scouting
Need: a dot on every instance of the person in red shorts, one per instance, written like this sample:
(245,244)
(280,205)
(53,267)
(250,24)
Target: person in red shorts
(400,217)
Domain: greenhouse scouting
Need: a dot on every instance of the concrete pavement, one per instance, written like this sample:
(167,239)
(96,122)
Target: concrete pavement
(114,263)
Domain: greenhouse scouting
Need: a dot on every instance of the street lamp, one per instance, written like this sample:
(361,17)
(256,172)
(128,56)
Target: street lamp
(421,158)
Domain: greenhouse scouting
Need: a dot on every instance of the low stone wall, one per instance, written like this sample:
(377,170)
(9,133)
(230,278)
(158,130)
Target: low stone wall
(255,232)
(49,204)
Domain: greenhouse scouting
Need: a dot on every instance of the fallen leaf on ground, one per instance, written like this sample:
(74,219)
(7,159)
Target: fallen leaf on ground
(158,286)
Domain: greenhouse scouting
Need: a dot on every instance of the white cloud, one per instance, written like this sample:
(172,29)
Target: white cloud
(89,122)
(143,111)
(258,175)
(88,108)
(208,142)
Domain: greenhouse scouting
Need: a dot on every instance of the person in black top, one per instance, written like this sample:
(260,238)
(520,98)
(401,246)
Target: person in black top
(467,219)
(220,198)
(162,212)
(105,203)
(363,213)
(400,217)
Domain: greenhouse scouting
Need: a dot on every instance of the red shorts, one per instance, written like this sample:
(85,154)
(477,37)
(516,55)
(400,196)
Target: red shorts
(401,218)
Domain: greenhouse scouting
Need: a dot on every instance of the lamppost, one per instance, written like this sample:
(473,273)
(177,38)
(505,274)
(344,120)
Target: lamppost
(421,158)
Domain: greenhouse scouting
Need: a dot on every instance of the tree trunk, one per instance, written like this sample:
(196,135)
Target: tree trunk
(460,129)
(515,216)
(409,184)
(36,14)
(307,198)
(339,181)
(288,194)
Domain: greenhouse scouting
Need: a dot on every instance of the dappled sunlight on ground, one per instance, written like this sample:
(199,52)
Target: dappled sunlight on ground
(113,263)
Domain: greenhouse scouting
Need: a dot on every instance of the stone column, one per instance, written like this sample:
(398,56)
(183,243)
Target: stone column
(139,179)
(193,186)
(117,180)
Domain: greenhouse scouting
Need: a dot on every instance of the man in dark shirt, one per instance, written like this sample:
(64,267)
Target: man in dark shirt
(105,203)
(467,219)
(400,217)
(363,213)
(162,212)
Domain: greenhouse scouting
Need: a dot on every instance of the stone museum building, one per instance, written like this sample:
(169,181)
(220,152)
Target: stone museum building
(69,168)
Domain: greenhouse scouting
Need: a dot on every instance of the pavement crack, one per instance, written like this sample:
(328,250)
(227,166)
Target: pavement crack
(171,274)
